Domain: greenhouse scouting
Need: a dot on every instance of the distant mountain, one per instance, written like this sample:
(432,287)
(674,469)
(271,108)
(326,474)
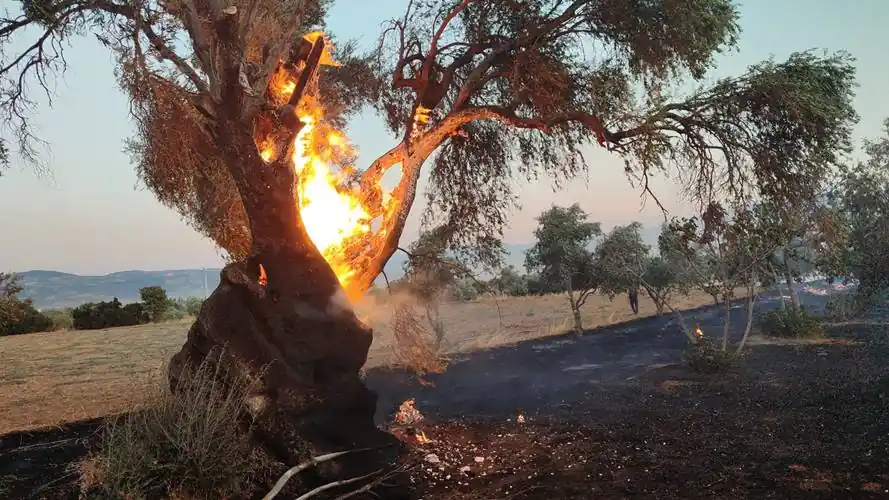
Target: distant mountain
(53,289)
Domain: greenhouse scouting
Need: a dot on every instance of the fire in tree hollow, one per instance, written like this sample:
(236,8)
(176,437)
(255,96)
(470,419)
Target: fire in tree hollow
(321,155)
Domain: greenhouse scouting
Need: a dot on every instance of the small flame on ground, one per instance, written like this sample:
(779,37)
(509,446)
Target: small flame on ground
(263,279)
(698,332)
(421,437)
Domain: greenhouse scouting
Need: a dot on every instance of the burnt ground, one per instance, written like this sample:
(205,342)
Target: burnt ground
(614,414)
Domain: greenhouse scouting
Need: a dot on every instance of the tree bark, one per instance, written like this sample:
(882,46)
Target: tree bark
(296,336)
(751,302)
(727,321)
(788,278)
(575,308)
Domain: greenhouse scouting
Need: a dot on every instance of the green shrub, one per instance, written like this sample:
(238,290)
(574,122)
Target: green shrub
(791,324)
(190,305)
(19,316)
(704,356)
(465,290)
(92,316)
(847,306)
(186,443)
(61,318)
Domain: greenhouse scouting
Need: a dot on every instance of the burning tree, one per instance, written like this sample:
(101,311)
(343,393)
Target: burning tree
(238,106)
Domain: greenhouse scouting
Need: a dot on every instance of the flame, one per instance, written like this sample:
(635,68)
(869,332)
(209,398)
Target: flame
(263,279)
(331,213)
(421,437)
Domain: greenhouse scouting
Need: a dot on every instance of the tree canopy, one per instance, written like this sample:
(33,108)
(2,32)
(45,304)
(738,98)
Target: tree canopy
(859,227)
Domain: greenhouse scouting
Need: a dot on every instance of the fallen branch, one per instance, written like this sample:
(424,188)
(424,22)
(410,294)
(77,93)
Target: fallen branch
(312,462)
(337,484)
(367,487)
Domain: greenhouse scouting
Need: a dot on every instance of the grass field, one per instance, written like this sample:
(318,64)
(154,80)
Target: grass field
(47,379)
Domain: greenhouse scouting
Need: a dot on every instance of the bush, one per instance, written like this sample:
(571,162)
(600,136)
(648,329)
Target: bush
(19,316)
(93,316)
(188,443)
(704,356)
(847,306)
(190,305)
(791,324)
(465,290)
(61,318)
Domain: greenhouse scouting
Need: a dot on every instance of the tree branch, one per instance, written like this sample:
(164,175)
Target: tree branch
(159,44)
(312,462)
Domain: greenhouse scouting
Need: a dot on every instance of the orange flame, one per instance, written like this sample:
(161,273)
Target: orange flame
(421,437)
(263,279)
(332,214)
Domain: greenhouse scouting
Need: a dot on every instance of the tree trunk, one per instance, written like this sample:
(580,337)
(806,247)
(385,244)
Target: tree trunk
(751,302)
(297,335)
(659,303)
(578,321)
(727,322)
(782,302)
(575,309)
(788,278)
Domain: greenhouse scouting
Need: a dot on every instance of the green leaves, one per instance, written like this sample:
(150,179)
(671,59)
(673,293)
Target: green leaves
(858,226)
(561,251)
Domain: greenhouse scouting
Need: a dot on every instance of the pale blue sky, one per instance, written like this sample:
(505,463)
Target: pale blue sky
(92,217)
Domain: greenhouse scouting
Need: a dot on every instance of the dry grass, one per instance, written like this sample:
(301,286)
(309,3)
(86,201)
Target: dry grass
(187,443)
(51,378)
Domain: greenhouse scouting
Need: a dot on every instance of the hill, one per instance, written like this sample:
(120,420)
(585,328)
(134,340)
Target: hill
(53,289)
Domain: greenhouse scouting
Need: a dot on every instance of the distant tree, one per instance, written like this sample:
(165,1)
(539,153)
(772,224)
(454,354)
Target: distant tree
(18,316)
(155,302)
(510,282)
(860,203)
(560,257)
(190,305)
(660,280)
(622,257)
(800,231)
(738,248)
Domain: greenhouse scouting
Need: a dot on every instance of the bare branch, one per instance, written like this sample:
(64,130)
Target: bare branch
(156,41)
(337,484)
(314,461)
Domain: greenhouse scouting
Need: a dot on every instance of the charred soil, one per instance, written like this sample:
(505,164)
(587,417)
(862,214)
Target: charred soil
(802,421)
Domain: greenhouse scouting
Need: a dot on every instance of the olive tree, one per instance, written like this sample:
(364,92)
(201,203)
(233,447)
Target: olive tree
(561,257)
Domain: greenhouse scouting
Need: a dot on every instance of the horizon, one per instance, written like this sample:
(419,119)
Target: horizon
(68,223)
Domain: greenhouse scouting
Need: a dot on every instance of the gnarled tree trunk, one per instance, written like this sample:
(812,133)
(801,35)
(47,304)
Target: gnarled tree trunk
(296,333)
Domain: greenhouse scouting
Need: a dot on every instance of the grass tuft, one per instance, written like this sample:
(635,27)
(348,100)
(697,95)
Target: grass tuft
(188,443)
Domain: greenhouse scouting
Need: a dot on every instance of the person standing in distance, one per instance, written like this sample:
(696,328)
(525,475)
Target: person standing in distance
(634,299)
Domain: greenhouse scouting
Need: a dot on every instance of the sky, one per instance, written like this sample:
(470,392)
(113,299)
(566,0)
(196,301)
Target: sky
(92,216)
